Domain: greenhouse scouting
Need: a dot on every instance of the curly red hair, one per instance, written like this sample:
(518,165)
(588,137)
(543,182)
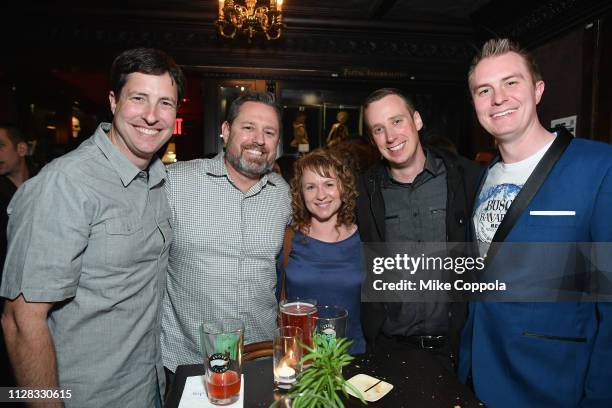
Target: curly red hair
(326,164)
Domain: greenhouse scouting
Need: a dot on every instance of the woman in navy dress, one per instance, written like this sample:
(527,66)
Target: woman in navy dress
(325,258)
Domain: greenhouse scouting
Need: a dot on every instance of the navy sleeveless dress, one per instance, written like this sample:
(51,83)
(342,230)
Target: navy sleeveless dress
(329,272)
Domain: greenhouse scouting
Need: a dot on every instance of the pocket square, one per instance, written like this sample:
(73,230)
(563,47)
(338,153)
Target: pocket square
(553,213)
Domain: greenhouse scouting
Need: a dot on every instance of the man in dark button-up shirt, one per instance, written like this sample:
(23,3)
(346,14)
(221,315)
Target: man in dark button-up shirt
(415,194)
(88,251)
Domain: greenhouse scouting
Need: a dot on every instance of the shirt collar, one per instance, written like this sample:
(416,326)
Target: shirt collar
(126,170)
(218,168)
(497,158)
(433,166)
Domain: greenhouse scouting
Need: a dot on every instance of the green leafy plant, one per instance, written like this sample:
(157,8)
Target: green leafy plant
(324,377)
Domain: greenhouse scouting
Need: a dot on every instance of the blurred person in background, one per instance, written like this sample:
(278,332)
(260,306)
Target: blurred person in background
(15,169)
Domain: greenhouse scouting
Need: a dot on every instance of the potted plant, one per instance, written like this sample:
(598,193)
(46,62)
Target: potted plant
(324,377)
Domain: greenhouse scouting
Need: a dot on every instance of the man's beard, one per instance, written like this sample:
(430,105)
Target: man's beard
(248,168)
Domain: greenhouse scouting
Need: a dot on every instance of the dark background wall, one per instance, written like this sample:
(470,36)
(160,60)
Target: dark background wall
(561,63)
(56,58)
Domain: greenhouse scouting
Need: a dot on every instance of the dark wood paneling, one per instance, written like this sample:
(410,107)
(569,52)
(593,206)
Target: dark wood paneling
(355,44)
(561,64)
(589,72)
(535,22)
(380,8)
(602,121)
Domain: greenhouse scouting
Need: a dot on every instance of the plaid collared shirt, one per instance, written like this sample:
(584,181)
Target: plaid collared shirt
(223,258)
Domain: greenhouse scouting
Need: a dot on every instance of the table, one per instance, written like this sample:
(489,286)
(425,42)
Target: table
(419,381)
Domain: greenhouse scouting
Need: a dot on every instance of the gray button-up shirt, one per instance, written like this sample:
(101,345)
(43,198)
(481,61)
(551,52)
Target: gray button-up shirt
(223,258)
(92,231)
(417,212)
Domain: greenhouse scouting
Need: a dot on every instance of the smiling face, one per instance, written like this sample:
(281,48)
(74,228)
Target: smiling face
(251,140)
(144,116)
(505,96)
(322,195)
(394,130)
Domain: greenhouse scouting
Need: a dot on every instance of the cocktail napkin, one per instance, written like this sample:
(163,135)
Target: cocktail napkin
(371,388)
(194,394)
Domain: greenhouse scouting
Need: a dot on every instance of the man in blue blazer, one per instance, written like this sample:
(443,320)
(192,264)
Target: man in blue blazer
(545,187)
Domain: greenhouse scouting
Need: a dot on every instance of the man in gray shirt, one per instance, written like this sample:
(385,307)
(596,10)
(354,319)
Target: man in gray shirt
(419,194)
(228,215)
(88,251)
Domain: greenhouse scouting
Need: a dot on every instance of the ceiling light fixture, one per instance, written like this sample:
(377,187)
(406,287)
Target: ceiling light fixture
(249,19)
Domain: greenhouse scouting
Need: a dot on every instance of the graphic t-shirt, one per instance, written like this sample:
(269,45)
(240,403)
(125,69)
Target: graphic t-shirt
(503,183)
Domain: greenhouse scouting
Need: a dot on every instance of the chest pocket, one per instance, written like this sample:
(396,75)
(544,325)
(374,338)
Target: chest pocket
(123,239)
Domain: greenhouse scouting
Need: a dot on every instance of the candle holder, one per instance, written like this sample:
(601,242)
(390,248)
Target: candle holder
(287,355)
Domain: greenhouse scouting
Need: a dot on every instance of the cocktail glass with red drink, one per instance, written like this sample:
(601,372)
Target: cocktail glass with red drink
(222,341)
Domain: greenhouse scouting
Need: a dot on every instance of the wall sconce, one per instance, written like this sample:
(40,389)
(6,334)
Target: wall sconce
(249,19)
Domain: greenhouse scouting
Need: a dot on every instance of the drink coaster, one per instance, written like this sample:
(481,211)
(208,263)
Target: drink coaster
(371,388)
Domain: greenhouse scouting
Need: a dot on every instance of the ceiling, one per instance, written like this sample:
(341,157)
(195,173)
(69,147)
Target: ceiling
(398,10)
(430,41)
(189,24)
(325,36)
(387,10)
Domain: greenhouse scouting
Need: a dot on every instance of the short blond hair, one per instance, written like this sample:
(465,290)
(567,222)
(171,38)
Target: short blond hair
(496,47)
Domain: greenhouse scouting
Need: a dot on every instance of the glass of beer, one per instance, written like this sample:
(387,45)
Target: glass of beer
(299,313)
(221,342)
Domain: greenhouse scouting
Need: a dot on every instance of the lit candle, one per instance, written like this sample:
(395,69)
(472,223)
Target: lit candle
(284,373)
(279,5)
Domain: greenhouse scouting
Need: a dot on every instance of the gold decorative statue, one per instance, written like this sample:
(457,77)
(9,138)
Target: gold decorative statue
(339,131)
(300,135)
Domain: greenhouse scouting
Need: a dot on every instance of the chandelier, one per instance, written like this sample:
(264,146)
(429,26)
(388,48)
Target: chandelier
(248,19)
